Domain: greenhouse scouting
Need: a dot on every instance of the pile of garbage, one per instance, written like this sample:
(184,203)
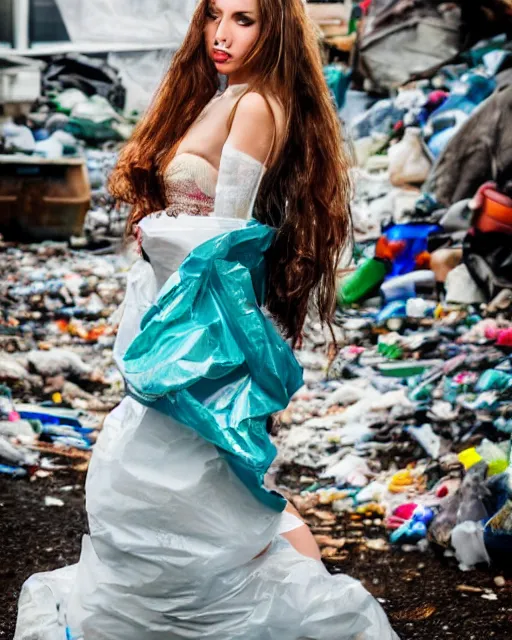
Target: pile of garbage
(57,330)
(80,103)
(106,219)
(77,118)
(402,435)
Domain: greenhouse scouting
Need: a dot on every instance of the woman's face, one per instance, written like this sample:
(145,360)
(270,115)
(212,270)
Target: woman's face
(232,29)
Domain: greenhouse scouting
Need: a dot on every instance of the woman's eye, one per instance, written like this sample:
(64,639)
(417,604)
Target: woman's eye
(211,15)
(245,22)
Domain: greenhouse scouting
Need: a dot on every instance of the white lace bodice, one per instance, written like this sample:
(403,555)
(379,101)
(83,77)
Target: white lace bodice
(190,183)
(194,187)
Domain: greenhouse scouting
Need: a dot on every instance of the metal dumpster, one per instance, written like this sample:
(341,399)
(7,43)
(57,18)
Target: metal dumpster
(42,199)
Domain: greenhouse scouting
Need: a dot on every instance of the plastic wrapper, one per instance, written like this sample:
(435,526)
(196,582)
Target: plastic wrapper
(468,542)
(216,362)
(408,162)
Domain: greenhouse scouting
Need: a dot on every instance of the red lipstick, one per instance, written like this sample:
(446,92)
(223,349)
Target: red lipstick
(220,56)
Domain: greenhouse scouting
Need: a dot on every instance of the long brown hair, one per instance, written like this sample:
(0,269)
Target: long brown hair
(305,193)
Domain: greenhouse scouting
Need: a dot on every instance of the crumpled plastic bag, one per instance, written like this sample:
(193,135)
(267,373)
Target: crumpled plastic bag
(468,504)
(408,162)
(208,357)
(468,542)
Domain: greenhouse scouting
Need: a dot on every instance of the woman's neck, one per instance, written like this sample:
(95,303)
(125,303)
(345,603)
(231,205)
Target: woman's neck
(235,79)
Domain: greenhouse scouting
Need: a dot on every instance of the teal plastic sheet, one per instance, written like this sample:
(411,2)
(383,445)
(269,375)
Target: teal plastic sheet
(208,357)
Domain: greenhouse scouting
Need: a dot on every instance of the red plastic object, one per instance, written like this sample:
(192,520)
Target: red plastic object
(423,260)
(405,511)
(392,522)
(389,249)
(365,5)
(442,491)
(504,338)
(436,98)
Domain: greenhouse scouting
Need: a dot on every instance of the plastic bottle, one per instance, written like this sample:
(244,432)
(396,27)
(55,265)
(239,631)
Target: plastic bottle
(360,283)
(407,286)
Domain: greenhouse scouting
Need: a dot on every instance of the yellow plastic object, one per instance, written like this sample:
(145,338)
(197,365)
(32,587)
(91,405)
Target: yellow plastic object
(371,509)
(469,457)
(328,497)
(497,466)
(494,456)
(401,481)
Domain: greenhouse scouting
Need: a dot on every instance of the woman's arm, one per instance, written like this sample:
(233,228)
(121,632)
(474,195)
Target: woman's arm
(246,152)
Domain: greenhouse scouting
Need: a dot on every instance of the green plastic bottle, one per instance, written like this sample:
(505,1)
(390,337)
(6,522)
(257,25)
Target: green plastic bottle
(357,285)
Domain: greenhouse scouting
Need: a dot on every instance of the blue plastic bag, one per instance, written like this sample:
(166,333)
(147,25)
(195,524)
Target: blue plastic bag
(208,357)
(416,239)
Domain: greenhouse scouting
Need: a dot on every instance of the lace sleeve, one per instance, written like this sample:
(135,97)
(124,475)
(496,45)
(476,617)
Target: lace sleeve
(238,183)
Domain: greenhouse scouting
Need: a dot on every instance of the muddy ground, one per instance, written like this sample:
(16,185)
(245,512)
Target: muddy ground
(418,590)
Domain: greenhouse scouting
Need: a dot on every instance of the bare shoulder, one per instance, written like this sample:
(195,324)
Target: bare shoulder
(262,115)
(261,105)
(254,107)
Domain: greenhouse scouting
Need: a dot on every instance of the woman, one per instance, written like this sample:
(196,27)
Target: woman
(185,541)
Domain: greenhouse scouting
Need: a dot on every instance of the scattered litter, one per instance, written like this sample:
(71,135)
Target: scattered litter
(53,502)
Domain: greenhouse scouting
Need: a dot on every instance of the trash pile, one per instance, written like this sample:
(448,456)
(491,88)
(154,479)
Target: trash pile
(80,103)
(106,220)
(77,118)
(402,435)
(405,434)
(57,330)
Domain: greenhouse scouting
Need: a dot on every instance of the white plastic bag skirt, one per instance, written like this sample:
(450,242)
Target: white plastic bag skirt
(173,537)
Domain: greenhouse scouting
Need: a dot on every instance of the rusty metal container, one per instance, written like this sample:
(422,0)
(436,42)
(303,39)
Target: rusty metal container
(42,199)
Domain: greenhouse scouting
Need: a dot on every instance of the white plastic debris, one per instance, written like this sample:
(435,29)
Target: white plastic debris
(351,470)
(426,437)
(57,361)
(468,542)
(53,502)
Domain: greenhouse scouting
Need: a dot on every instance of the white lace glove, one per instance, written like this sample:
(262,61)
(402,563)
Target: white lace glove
(238,183)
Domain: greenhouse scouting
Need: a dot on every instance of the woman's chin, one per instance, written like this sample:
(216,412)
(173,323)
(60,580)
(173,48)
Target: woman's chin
(224,67)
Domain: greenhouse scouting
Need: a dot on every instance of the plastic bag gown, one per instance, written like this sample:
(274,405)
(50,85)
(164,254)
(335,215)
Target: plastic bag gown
(177,512)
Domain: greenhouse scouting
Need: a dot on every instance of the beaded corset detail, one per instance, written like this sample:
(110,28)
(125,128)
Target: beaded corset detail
(190,183)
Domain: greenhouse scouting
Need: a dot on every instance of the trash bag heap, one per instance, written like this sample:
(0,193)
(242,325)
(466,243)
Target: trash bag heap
(57,373)
(79,114)
(402,434)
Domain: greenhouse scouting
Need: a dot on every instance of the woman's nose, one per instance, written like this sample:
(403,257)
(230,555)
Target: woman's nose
(222,35)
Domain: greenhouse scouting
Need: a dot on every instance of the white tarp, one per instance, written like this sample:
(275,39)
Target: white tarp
(162,23)
(141,73)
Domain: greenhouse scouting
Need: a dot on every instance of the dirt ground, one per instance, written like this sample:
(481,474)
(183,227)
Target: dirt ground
(418,590)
